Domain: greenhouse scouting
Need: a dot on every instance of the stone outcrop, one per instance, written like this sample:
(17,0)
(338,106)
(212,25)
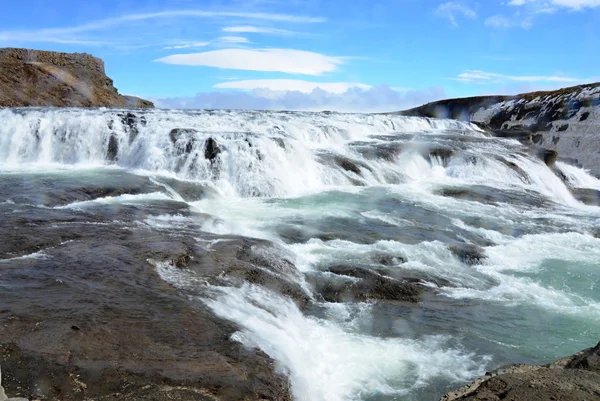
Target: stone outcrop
(52,79)
(573,378)
(565,120)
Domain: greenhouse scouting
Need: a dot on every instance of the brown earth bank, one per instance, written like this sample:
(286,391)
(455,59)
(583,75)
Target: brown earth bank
(575,378)
(53,79)
(565,120)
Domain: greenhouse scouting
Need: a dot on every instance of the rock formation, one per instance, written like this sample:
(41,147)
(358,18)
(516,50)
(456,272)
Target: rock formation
(566,120)
(573,378)
(52,79)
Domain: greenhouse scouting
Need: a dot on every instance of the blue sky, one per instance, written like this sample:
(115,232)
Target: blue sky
(356,55)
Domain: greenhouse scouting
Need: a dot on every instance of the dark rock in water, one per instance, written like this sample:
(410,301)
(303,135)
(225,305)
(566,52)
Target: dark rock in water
(513,166)
(190,191)
(443,154)
(574,378)
(369,286)
(184,139)
(113,148)
(50,191)
(587,195)
(131,122)
(468,254)
(347,164)
(388,260)
(380,151)
(493,196)
(548,156)
(211,149)
(523,136)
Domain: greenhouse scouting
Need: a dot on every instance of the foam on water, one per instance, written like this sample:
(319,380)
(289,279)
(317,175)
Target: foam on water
(327,362)
(577,177)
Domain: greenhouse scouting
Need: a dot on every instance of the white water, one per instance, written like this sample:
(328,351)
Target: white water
(275,170)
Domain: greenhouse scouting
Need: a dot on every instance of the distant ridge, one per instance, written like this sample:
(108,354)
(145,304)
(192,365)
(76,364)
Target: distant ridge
(566,120)
(54,79)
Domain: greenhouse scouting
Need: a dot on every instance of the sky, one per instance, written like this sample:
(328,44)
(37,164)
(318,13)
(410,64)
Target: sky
(344,55)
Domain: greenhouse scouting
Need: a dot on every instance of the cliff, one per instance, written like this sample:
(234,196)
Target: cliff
(52,79)
(565,120)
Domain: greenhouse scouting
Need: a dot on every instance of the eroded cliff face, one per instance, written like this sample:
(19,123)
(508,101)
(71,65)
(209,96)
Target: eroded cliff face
(566,120)
(52,79)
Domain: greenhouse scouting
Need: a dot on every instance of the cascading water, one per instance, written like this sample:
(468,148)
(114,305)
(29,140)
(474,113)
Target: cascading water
(503,258)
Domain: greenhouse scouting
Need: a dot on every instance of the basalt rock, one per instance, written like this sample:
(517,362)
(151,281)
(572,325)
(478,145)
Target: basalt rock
(574,378)
(355,284)
(53,79)
(468,254)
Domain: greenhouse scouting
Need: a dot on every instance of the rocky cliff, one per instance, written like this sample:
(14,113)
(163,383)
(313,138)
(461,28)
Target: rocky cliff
(43,78)
(566,120)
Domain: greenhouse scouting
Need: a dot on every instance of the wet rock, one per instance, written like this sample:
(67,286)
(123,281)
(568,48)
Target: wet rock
(380,151)
(211,149)
(513,166)
(523,136)
(138,336)
(493,196)
(468,254)
(190,191)
(442,154)
(573,378)
(347,164)
(113,148)
(388,260)
(365,285)
(587,195)
(548,156)
(49,190)
(184,139)
(131,122)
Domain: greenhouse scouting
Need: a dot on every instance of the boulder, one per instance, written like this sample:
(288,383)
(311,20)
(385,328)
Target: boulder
(355,284)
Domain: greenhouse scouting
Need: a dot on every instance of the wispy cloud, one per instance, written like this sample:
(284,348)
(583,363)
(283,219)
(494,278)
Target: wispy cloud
(290,85)
(274,60)
(452,11)
(188,45)
(233,39)
(547,4)
(483,77)
(517,20)
(59,35)
(256,29)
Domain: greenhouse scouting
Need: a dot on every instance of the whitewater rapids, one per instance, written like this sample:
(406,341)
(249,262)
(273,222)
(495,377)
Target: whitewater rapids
(331,189)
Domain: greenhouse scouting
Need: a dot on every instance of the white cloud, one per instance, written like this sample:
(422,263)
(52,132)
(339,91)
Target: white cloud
(291,85)
(481,77)
(545,4)
(375,99)
(451,10)
(188,45)
(255,29)
(59,35)
(500,21)
(233,39)
(280,60)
